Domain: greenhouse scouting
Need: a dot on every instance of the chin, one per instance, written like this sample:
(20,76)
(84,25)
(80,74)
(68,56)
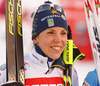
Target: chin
(55,57)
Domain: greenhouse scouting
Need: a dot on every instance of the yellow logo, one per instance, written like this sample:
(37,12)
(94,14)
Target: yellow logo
(63,17)
(50,22)
(10,17)
(53,12)
(42,61)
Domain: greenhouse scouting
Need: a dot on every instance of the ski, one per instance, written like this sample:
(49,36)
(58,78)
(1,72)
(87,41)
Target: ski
(93,31)
(10,46)
(96,7)
(19,41)
(14,43)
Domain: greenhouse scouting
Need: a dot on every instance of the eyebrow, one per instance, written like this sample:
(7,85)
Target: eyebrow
(51,29)
(54,30)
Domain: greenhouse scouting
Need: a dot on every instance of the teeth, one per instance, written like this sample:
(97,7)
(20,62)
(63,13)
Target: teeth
(56,48)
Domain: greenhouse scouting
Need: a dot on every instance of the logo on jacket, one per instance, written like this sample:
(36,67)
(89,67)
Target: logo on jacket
(26,66)
(85,84)
(41,61)
(3,67)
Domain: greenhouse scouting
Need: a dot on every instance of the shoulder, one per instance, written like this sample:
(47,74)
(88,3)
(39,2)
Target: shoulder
(92,74)
(74,72)
(91,78)
(27,59)
(74,77)
(26,56)
(2,73)
(3,67)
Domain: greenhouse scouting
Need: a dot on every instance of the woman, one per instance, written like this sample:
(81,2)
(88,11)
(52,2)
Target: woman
(44,65)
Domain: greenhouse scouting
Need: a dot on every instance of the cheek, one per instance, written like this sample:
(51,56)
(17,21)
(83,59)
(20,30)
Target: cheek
(47,39)
(65,41)
(44,41)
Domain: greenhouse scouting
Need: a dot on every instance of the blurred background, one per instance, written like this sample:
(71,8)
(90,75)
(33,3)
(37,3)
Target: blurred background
(76,19)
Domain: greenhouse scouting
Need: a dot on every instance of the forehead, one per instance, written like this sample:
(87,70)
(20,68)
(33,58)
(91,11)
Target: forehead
(56,28)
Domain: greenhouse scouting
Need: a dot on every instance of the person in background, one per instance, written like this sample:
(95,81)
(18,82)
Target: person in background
(91,79)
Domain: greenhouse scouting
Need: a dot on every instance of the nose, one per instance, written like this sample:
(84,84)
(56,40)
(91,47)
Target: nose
(57,38)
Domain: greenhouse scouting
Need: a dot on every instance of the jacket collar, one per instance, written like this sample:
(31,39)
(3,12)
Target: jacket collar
(57,63)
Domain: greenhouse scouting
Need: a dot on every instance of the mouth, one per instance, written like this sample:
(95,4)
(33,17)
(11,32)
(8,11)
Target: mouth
(56,48)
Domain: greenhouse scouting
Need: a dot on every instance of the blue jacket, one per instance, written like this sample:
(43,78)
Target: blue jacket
(91,79)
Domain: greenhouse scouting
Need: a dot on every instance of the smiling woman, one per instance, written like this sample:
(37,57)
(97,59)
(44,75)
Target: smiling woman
(52,41)
(44,65)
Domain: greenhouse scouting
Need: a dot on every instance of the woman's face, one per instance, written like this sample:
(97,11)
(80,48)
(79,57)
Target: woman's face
(52,41)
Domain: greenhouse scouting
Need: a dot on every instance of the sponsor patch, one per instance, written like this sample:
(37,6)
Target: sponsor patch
(26,66)
(50,22)
(63,17)
(3,67)
(50,16)
(54,12)
(41,61)
(85,84)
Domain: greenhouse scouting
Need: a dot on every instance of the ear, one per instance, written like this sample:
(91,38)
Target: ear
(35,40)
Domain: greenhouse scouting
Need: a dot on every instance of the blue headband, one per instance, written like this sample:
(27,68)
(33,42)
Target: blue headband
(48,19)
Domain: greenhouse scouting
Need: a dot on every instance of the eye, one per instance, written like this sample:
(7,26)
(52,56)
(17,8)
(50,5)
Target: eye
(50,32)
(64,33)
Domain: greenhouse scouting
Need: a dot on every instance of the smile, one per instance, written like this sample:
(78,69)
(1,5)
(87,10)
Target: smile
(57,48)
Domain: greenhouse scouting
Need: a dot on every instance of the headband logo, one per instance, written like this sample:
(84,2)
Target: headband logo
(53,12)
(63,17)
(50,22)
